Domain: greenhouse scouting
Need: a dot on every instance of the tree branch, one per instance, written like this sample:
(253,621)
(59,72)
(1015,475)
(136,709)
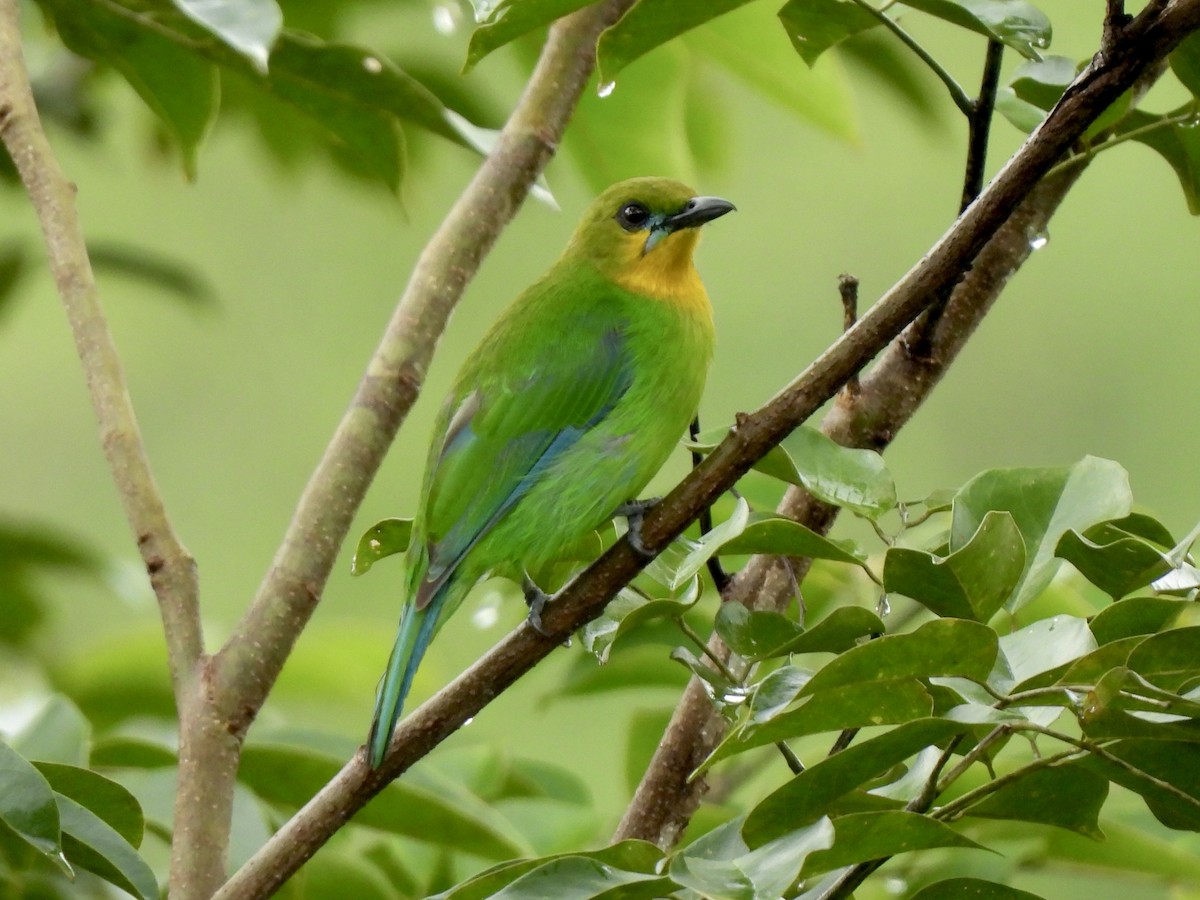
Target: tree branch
(587,595)
(171,568)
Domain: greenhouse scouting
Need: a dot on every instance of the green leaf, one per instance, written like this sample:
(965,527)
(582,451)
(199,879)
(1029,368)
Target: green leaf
(1135,615)
(91,843)
(1045,503)
(582,877)
(972,582)
(1040,647)
(27,802)
(1169,659)
(102,796)
(506,21)
(816,25)
(941,647)
(1112,724)
(627,857)
(852,706)
(1165,773)
(1116,562)
(1015,23)
(385,538)
(344,90)
(130,751)
(749,47)
(291,776)
(248,26)
(709,544)
(971,889)
(1066,796)
(651,23)
(779,536)
(1042,82)
(1176,142)
(763,634)
(159,272)
(627,611)
(180,89)
(355,95)
(58,733)
(720,866)
(721,690)
(1185,63)
(861,837)
(857,480)
(809,794)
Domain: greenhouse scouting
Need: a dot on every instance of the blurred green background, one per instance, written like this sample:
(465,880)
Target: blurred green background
(1091,350)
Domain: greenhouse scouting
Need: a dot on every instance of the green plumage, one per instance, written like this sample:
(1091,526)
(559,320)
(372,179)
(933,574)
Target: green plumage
(569,405)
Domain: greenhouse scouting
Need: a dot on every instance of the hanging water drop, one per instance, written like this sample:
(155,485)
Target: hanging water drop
(1039,240)
(374,66)
(884,608)
(607,88)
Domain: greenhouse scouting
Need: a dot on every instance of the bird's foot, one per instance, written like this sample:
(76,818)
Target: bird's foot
(634,513)
(536,599)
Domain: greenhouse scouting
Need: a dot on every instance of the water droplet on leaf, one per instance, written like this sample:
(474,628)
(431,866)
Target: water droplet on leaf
(372,65)
(606,89)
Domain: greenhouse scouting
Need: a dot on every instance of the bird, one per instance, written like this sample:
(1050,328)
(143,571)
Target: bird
(572,401)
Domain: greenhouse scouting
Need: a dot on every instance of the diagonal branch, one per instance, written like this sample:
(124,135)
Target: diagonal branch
(171,568)
(755,434)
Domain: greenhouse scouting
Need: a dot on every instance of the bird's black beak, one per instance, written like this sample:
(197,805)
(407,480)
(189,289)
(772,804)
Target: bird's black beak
(697,211)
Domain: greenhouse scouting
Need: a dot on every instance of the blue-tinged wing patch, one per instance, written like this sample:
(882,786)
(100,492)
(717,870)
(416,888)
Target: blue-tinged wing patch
(503,436)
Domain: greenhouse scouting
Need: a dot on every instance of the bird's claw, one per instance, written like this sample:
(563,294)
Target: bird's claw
(634,513)
(536,599)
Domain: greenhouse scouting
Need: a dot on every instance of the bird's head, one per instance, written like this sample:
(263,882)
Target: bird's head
(641,233)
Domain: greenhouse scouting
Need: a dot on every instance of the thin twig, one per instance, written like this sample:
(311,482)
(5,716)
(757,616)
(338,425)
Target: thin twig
(981,124)
(848,291)
(957,94)
(979,129)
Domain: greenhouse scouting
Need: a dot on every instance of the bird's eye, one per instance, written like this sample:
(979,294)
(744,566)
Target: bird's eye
(632,216)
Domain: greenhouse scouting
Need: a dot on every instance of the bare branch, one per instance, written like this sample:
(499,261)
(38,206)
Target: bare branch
(171,568)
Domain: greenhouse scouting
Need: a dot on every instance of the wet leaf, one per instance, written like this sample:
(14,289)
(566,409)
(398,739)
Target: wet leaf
(1045,504)
(385,538)
(808,794)
(972,582)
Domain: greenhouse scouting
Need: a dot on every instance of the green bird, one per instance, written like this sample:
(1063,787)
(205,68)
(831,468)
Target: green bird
(563,413)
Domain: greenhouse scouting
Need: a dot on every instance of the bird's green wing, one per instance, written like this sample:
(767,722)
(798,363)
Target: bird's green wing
(517,417)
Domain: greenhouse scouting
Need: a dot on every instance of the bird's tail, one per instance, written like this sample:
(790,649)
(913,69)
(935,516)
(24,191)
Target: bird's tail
(417,628)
